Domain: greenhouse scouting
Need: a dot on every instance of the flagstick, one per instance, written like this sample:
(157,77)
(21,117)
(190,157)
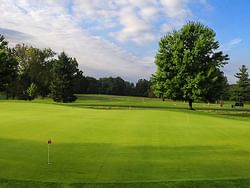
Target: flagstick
(48,154)
(49,142)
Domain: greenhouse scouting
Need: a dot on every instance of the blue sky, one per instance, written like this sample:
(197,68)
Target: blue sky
(120,37)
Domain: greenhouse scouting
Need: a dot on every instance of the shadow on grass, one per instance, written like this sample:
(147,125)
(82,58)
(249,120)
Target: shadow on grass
(221,111)
(237,183)
(121,165)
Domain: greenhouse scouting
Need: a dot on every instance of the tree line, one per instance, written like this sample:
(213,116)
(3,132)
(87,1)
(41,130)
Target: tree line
(188,65)
(113,86)
(27,72)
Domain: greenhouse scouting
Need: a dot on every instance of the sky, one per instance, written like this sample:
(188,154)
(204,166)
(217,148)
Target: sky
(120,37)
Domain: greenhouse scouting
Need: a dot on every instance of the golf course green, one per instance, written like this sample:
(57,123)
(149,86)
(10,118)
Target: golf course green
(105,141)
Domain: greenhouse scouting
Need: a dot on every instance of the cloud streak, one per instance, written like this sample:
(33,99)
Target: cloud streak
(231,44)
(14,36)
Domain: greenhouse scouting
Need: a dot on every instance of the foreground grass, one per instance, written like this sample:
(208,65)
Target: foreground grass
(240,183)
(113,147)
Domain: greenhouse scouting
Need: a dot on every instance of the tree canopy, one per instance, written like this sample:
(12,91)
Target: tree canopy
(64,71)
(188,64)
(242,90)
(8,67)
(34,67)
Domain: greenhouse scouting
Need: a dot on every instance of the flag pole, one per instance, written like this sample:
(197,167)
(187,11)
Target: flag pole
(49,142)
(48,154)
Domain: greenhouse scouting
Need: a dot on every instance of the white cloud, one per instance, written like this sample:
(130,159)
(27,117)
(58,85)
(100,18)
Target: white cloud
(149,13)
(176,9)
(135,20)
(68,25)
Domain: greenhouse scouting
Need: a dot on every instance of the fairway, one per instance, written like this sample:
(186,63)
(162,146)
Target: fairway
(127,145)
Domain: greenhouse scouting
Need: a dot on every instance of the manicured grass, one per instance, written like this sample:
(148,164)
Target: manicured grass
(122,147)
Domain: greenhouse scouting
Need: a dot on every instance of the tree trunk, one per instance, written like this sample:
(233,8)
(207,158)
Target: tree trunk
(190,104)
(7,94)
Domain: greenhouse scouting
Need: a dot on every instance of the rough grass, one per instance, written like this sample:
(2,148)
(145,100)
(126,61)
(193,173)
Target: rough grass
(152,146)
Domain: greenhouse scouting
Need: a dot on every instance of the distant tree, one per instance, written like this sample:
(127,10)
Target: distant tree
(112,86)
(142,88)
(218,89)
(79,83)
(8,67)
(105,85)
(32,91)
(34,67)
(63,73)
(188,62)
(243,84)
(224,89)
(92,85)
(118,86)
(129,89)
(233,92)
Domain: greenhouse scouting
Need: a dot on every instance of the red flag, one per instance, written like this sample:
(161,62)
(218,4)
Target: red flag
(49,141)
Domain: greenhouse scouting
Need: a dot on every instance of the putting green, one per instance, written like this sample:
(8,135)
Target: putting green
(119,145)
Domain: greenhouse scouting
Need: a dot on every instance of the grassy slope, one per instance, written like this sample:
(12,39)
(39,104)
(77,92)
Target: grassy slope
(91,145)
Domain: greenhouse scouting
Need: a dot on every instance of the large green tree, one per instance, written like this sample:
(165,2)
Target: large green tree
(64,72)
(188,63)
(242,89)
(8,67)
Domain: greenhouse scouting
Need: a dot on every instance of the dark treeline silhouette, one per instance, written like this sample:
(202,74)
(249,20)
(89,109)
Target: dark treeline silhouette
(112,86)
